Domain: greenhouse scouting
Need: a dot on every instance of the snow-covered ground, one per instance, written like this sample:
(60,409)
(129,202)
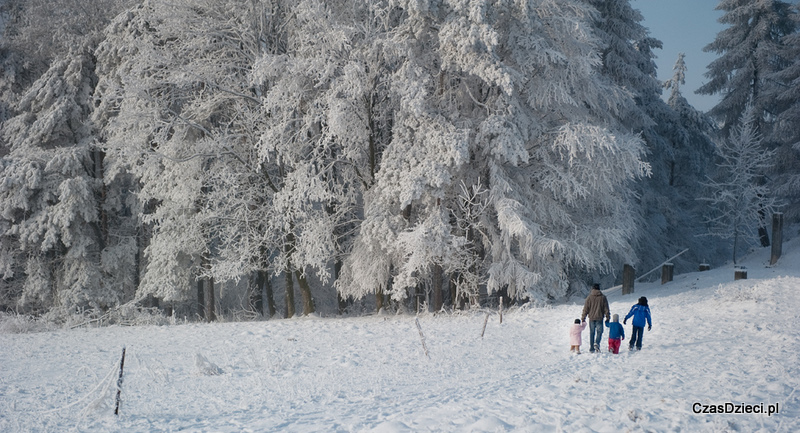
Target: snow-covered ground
(714,341)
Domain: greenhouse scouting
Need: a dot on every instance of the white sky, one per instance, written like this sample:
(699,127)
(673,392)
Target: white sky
(683,26)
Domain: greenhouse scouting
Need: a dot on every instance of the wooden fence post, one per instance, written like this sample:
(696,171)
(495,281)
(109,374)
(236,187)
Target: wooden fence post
(422,337)
(777,237)
(739,273)
(667,270)
(628,274)
(704,267)
(119,382)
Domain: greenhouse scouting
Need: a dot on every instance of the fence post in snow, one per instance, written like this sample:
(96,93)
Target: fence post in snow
(739,273)
(119,382)
(777,237)
(501,310)
(704,267)
(485,321)
(667,270)
(628,274)
(422,337)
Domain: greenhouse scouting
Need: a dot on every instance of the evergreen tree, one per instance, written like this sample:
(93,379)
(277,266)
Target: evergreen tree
(52,199)
(786,97)
(676,161)
(749,52)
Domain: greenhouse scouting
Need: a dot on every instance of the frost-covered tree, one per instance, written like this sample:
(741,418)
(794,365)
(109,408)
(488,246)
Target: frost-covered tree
(736,199)
(33,33)
(46,82)
(749,50)
(182,119)
(52,193)
(330,114)
(676,161)
(786,97)
(750,54)
(505,96)
(405,236)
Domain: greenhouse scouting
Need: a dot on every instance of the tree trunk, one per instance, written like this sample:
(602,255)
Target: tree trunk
(379,305)
(289,310)
(268,290)
(98,158)
(256,301)
(210,301)
(288,246)
(437,286)
(305,292)
(201,311)
(337,269)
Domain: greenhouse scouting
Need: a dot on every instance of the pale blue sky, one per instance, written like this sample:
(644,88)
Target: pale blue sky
(683,26)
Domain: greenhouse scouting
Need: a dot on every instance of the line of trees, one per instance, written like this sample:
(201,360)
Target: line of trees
(166,153)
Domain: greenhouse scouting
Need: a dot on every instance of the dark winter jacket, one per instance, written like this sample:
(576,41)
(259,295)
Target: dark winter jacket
(641,314)
(615,330)
(596,306)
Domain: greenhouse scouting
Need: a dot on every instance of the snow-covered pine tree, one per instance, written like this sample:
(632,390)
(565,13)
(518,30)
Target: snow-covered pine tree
(559,164)
(736,199)
(667,202)
(692,163)
(52,193)
(750,53)
(749,50)
(786,133)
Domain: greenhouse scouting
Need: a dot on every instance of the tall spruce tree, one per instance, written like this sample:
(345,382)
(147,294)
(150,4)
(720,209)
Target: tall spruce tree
(786,134)
(51,194)
(750,54)
(749,50)
(669,218)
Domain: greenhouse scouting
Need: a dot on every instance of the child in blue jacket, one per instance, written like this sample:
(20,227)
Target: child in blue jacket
(615,334)
(641,314)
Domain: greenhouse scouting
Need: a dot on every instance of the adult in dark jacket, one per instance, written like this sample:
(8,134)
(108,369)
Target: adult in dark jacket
(596,308)
(641,315)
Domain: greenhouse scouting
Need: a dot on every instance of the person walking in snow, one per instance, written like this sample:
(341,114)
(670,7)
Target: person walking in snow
(575,336)
(595,307)
(616,333)
(641,314)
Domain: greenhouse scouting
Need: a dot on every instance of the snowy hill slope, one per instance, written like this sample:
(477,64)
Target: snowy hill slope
(714,341)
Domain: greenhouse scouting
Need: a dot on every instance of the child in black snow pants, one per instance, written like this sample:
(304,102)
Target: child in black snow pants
(641,314)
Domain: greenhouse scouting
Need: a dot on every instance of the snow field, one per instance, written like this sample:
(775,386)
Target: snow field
(713,341)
